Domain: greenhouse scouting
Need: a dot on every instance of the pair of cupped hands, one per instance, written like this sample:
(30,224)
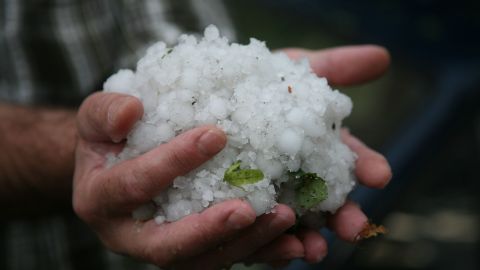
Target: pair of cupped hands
(225,233)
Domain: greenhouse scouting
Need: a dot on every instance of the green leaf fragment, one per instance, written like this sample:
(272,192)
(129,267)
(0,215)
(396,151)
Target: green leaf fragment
(310,189)
(240,177)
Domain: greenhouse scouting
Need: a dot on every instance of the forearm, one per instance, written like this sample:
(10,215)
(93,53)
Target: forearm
(37,157)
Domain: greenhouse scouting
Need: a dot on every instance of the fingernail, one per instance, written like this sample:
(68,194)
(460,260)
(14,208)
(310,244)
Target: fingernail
(114,108)
(238,220)
(211,142)
(113,111)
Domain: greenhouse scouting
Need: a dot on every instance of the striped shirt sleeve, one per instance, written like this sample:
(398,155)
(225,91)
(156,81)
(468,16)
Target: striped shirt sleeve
(56,52)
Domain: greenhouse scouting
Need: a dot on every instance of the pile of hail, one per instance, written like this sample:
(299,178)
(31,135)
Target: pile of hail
(282,124)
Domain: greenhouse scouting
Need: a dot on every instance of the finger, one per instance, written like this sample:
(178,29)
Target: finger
(314,244)
(346,65)
(348,221)
(192,235)
(371,167)
(266,229)
(108,117)
(286,247)
(137,181)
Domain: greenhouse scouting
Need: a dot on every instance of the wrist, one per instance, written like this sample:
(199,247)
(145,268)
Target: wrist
(38,154)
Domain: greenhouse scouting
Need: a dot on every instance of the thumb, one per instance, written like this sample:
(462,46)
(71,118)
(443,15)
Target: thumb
(108,117)
(138,180)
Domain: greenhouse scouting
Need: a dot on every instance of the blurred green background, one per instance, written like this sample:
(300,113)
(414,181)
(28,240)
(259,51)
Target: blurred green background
(424,115)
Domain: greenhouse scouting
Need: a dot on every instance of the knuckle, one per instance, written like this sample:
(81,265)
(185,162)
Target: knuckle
(83,207)
(206,234)
(202,232)
(90,103)
(111,244)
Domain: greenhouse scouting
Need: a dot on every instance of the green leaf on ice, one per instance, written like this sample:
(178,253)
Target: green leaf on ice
(239,177)
(310,189)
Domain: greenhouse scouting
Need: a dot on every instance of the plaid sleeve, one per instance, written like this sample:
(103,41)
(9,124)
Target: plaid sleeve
(59,51)
(56,52)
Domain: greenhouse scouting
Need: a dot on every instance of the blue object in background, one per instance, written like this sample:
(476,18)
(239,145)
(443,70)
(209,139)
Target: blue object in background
(442,38)
(428,30)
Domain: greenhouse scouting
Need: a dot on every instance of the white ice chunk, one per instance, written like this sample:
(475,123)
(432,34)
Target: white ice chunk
(295,116)
(189,78)
(159,219)
(178,209)
(241,89)
(182,114)
(211,33)
(242,115)
(261,201)
(289,142)
(141,138)
(312,126)
(270,167)
(121,82)
(144,212)
(165,132)
(218,107)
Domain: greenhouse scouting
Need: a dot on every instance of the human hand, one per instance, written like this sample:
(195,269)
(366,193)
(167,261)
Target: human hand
(105,198)
(342,66)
